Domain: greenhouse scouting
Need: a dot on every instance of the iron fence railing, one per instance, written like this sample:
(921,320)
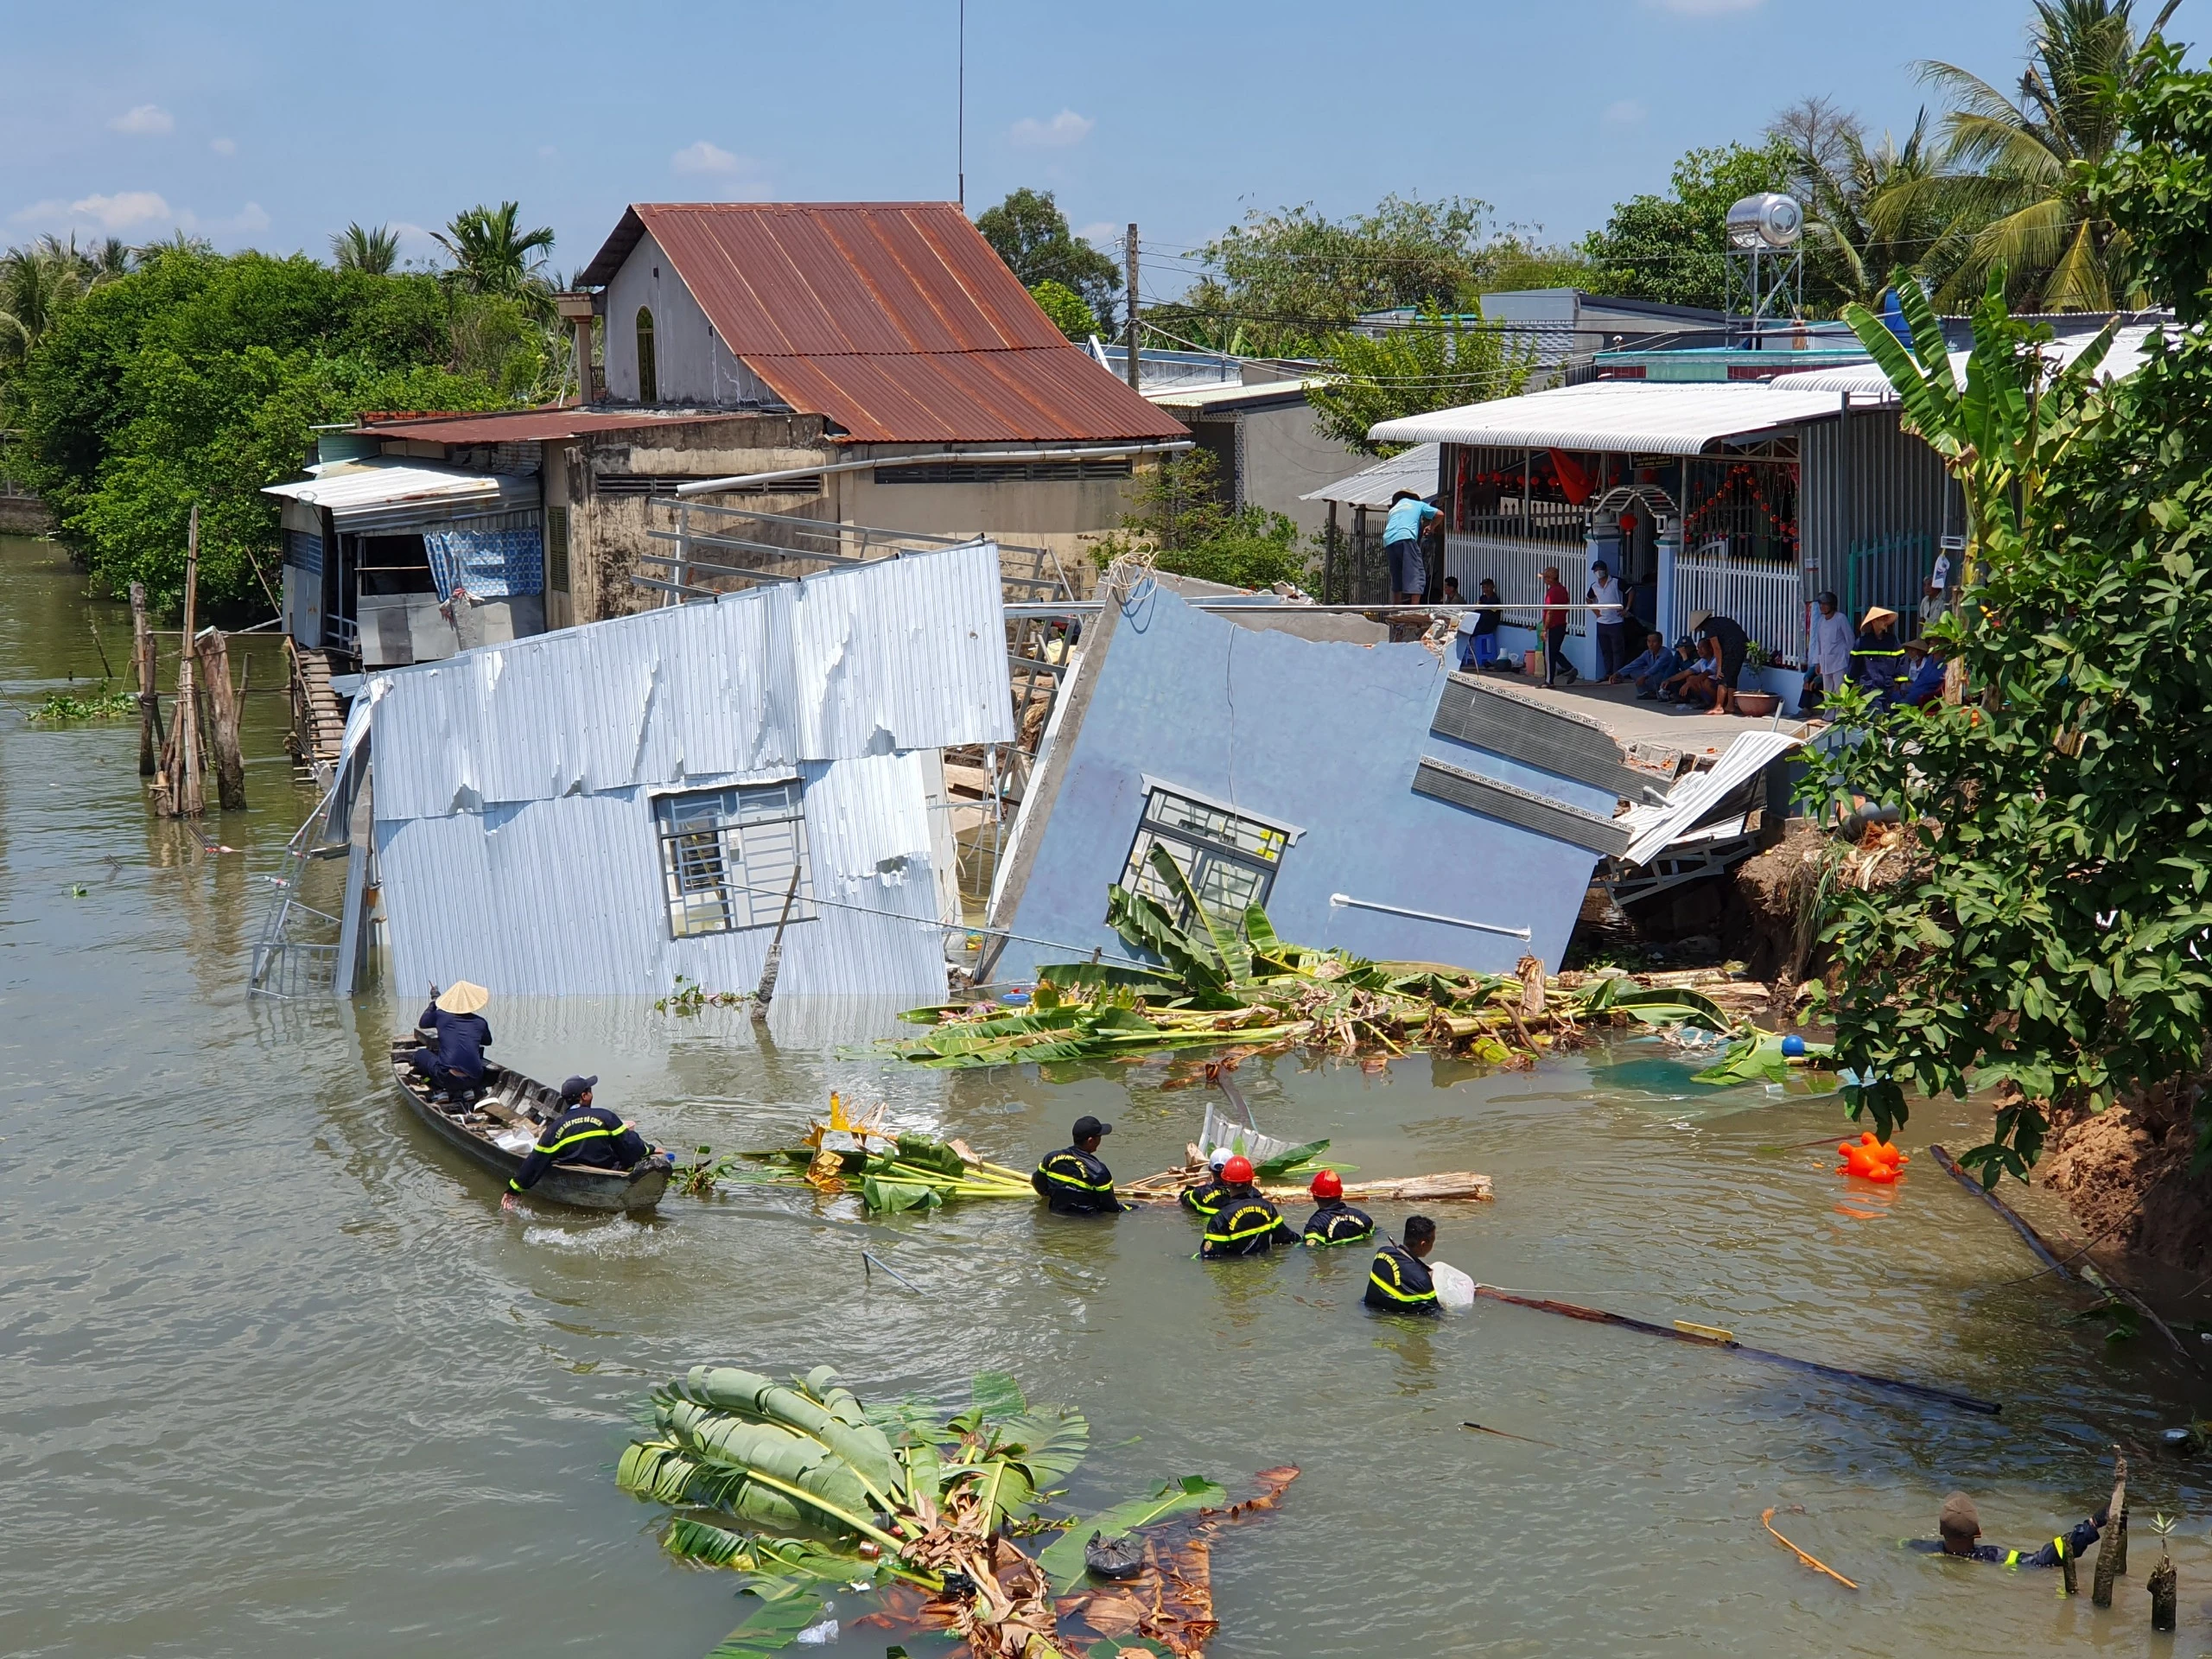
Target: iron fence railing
(1891,571)
(1516,564)
(1765,596)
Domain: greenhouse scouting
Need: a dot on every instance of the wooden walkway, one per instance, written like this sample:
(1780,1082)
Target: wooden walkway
(318,722)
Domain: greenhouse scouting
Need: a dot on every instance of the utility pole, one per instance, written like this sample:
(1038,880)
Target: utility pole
(961,140)
(1129,259)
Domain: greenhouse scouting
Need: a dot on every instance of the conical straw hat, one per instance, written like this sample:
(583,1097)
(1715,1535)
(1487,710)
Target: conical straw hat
(1877,614)
(464,998)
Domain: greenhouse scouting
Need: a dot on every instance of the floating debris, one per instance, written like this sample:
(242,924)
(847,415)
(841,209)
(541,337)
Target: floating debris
(803,1489)
(1219,983)
(891,1172)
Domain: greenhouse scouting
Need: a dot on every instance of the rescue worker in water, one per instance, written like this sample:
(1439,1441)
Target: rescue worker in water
(580,1133)
(1072,1180)
(1399,1280)
(1205,1199)
(1333,1221)
(1246,1223)
(1958,1525)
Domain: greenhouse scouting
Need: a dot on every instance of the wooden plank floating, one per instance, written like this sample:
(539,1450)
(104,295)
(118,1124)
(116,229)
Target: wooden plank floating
(1708,1337)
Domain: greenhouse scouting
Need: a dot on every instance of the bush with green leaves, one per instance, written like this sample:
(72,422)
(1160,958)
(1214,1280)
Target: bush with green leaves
(1181,519)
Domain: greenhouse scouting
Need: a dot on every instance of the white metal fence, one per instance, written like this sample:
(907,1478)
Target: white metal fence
(1515,564)
(1766,599)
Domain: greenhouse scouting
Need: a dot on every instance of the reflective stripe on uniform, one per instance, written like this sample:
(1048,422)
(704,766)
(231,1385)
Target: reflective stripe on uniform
(1235,1234)
(2012,1558)
(581,1135)
(1077,1181)
(1395,1291)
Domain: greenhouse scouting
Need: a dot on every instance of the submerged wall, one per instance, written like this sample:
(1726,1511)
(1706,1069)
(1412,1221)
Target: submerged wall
(1325,738)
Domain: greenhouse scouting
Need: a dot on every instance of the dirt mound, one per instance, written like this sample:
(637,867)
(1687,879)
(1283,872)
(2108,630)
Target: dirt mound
(2126,1171)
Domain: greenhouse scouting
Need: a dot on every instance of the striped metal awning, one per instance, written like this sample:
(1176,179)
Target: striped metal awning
(1638,417)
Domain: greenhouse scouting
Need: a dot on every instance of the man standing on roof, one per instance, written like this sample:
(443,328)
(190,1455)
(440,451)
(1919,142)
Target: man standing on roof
(1333,1221)
(1073,1181)
(1402,531)
(1246,1223)
(1399,1280)
(580,1133)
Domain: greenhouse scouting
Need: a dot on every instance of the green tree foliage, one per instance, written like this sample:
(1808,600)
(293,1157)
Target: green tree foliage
(1281,283)
(196,379)
(1030,233)
(357,248)
(1181,516)
(1433,362)
(2014,188)
(492,254)
(2157,192)
(1066,309)
(1672,248)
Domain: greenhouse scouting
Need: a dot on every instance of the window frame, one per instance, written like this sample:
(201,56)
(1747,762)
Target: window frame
(648,357)
(701,836)
(1206,855)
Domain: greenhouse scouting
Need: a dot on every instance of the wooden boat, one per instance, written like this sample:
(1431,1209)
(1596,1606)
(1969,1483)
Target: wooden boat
(511,1107)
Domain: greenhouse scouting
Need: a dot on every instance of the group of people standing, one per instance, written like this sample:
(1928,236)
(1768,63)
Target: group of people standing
(1241,1221)
(1907,673)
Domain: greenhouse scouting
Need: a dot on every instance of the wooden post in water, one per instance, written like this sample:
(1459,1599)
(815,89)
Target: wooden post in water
(149,697)
(2161,1585)
(2069,1585)
(2112,1554)
(223,722)
(188,799)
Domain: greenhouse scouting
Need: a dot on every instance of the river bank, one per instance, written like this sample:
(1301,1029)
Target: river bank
(281,1376)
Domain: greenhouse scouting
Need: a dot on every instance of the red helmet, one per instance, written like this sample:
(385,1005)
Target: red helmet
(1236,1171)
(1328,1184)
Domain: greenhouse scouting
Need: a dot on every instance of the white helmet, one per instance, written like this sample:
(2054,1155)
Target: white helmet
(1219,1156)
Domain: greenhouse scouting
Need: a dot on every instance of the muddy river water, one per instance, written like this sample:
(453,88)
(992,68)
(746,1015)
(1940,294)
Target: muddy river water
(278,1376)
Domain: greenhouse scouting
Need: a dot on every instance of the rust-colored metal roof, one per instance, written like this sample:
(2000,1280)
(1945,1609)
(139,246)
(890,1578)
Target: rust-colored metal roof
(521,425)
(895,320)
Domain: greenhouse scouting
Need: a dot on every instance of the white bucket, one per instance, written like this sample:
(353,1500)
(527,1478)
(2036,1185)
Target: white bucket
(1454,1287)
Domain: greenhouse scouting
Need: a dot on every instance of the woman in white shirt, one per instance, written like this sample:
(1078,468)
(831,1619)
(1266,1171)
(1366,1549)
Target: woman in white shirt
(1833,638)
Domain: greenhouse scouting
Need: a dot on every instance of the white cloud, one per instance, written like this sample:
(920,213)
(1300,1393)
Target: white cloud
(1706,7)
(1101,233)
(1063,130)
(224,146)
(125,210)
(703,157)
(248,217)
(1625,113)
(148,120)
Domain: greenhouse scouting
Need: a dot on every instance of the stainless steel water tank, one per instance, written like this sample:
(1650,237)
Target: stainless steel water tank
(1766,220)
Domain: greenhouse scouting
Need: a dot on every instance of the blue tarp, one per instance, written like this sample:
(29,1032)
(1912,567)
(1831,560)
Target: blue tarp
(489,563)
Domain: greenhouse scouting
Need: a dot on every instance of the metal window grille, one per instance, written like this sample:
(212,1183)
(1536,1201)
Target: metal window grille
(1004,472)
(1230,859)
(556,549)
(727,857)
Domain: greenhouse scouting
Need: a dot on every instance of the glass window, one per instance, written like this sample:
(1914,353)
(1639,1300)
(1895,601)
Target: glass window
(648,376)
(729,857)
(1229,859)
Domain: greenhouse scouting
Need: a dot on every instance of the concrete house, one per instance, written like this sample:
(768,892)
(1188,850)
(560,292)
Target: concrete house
(1367,797)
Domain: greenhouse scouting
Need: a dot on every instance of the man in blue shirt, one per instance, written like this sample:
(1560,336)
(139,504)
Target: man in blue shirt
(1402,531)
(1649,669)
(1923,682)
(456,1066)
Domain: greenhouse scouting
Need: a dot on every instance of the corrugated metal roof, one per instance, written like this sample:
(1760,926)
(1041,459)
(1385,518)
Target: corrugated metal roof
(525,425)
(895,320)
(903,653)
(1680,419)
(1866,383)
(1412,469)
(1228,395)
(1656,827)
(355,490)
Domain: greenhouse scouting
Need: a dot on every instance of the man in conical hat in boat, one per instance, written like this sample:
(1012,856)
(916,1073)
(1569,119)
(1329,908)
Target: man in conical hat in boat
(456,1066)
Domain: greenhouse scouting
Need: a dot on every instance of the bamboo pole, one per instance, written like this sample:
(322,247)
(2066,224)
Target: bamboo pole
(2113,1553)
(189,799)
(223,708)
(144,655)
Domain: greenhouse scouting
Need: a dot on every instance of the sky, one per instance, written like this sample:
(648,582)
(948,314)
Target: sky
(274,125)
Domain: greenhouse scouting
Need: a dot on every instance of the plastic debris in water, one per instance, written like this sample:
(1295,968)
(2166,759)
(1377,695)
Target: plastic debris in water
(1870,1159)
(818,1636)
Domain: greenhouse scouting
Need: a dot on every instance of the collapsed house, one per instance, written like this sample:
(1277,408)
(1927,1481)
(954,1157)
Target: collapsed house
(1365,796)
(600,809)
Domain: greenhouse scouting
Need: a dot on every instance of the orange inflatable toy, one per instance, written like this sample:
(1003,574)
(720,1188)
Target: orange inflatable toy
(1871,1159)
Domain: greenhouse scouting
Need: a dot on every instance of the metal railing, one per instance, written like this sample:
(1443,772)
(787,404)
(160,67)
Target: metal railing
(1891,571)
(292,959)
(1766,598)
(1516,564)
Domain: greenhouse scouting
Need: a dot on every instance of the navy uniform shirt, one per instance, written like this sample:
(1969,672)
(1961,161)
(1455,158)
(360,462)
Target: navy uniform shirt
(463,1038)
(2066,1547)
(1205,1200)
(582,1134)
(1076,1183)
(1246,1225)
(1399,1282)
(1335,1222)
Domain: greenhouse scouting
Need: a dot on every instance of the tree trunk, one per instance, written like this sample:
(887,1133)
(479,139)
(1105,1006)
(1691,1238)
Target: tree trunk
(2162,1589)
(187,796)
(2073,1586)
(2112,1551)
(223,709)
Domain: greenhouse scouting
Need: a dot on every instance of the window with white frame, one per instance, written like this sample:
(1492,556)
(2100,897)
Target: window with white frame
(1228,856)
(728,856)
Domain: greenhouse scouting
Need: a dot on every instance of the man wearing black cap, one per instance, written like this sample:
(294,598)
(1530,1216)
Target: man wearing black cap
(1073,1181)
(580,1133)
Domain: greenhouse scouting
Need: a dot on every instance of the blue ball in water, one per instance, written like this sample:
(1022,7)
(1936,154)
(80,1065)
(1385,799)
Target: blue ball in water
(1793,1046)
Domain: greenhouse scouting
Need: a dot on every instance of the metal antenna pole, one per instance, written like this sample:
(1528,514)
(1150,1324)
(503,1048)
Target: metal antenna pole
(961,120)
(1130,254)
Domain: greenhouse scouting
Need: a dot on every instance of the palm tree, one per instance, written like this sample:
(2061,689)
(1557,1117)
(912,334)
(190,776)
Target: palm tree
(493,254)
(1869,208)
(374,252)
(37,284)
(2011,189)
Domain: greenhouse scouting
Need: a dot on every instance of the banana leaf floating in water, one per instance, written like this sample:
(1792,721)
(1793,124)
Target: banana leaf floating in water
(890,1172)
(1221,983)
(802,1489)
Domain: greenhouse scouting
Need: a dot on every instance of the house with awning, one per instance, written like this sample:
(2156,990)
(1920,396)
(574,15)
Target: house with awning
(1743,498)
